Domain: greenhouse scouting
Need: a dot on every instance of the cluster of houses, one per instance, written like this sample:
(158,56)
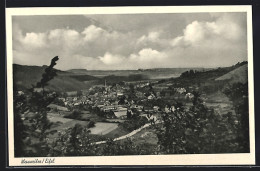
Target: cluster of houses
(105,98)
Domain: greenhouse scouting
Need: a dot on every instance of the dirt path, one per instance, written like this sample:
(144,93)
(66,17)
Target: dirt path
(128,135)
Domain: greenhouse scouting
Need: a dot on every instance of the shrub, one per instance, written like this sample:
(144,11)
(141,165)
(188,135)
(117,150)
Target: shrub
(76,114)
(74,141)
(91,124)
(134,123)
(197,130)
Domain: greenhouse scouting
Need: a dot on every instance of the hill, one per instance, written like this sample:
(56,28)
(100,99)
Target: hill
(153,73)
(211,74)
(78,71)
(84,77)
(26,76)
(209,81)
(239,74)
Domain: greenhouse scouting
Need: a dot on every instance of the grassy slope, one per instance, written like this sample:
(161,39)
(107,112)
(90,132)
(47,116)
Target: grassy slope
(237,75)
(213,74)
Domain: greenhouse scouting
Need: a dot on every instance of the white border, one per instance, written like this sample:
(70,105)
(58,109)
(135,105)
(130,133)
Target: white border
(188,159)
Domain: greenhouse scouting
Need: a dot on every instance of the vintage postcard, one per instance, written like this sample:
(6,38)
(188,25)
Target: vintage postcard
(130,86)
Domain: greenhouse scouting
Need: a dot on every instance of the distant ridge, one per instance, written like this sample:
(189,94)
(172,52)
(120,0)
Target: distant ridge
(77,71)
(26,76)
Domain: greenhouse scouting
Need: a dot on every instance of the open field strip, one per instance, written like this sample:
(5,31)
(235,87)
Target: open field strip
(103,128)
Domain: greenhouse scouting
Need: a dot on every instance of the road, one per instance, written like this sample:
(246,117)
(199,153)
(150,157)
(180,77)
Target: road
(128,135)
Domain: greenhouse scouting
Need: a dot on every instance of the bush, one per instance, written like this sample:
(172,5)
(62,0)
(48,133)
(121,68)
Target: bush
(134,123)
(197,130)
(58,102)
(91,124)
(74,141)
(238,94)
(76,114)
(77,141)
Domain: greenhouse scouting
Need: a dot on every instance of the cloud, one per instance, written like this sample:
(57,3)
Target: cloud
(110,59)
(217,39)
(92,33)
(225,28)
(34,40)
(151,37)
(220,42)
(92,41)
(145,58)
(148,56)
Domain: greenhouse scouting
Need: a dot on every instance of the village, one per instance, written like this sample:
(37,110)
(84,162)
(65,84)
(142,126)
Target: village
(108,107)
(117,99)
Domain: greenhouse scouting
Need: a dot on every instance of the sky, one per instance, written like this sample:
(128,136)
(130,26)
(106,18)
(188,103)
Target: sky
(130,41)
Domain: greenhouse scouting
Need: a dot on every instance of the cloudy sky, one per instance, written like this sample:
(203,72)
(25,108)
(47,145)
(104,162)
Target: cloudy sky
(131,41)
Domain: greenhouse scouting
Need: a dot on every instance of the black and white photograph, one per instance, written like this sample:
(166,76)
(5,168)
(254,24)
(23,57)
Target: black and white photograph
(130,86)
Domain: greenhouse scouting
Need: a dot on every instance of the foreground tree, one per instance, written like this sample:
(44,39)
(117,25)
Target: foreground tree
(196,130)
(34,108)
(78,141)
(75,141)
(238,94)
(20,133)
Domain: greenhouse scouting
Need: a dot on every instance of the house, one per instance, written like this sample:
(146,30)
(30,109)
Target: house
(57,107)
(121,108)
(38,90)
(71,93)
(69,99)
(76,104)
(138,107)
(172,108)
(180,90)
(189,96)
(139,94)
(151,118)
(100,105)
(148,109)
(152,96)
(62,99)
(119,114)
(166,109)
(156,108)
(119,94)
(110,107)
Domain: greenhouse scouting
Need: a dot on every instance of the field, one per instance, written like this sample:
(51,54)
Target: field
(103,128)
(118,132)
(61,123)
